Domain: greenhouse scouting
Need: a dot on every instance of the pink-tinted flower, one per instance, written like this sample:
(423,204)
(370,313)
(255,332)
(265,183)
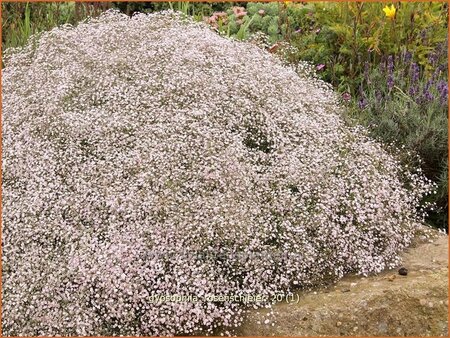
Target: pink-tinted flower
(320,67)
(212,19)
(113,199)
(239,12)
(346,96)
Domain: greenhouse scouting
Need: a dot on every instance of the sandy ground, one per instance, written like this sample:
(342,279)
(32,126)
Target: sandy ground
(385,304)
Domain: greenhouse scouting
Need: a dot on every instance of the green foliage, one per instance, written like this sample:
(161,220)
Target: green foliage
(242,33)
(402,103)
(343,36)
(20,20)
(352,33)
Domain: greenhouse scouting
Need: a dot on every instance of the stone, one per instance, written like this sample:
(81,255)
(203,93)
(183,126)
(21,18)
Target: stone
(382,327)
(403,271)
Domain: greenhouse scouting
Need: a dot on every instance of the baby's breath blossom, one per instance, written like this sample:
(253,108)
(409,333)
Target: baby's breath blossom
(148,156)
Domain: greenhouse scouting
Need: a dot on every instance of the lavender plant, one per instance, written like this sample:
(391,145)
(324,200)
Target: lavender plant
(404,103)
(150,157)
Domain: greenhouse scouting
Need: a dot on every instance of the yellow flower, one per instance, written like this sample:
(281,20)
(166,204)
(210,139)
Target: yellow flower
(390,12)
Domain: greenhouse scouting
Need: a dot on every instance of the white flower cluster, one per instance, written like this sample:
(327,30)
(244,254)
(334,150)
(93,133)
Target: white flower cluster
(148,157)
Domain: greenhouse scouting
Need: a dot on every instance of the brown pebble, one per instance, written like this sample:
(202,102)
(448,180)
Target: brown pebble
(403,271)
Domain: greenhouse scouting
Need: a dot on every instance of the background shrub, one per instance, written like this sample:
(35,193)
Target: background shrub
(404,104)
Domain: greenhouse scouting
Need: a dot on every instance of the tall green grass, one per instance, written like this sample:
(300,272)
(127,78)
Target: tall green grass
(21,20)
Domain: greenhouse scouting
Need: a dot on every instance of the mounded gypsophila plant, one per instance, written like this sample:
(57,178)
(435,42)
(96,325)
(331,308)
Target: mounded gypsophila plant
(149,156)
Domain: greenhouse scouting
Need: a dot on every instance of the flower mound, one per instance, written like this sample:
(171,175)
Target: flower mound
(149,156)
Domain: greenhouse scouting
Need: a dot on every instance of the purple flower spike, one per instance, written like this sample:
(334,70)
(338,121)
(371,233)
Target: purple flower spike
(415,72)
(442,88)
(390,69)
(362,103)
